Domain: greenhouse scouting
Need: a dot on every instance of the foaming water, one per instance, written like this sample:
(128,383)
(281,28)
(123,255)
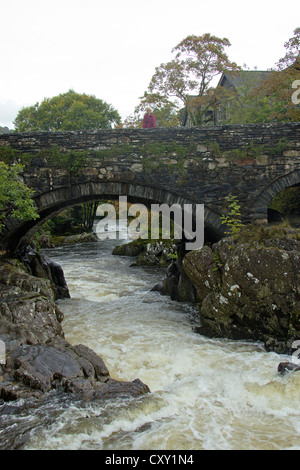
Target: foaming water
(205,394)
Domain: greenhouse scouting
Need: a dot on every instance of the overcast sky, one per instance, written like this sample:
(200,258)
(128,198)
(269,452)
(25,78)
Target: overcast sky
(110,48)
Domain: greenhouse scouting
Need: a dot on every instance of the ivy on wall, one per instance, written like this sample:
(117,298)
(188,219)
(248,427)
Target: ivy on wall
(248,151)
(153,155)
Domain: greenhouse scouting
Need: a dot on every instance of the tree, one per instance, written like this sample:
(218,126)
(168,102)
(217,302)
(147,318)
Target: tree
(197,61)
(166,112)
(265,96)
(4,130)
(68,111)
(278,88)
(292,55)
(84,215)
(15,196)
(287,201)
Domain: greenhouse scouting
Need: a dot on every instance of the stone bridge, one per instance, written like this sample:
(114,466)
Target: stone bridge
(164,165)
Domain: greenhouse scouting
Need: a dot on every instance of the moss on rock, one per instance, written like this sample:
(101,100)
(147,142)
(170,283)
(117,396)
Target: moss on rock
(248,286)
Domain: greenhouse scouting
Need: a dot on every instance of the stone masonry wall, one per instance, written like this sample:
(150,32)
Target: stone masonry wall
(199,165)
(228,137)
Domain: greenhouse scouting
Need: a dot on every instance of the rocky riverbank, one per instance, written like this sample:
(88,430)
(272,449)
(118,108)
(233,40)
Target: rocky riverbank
(246,287)
(38,359)
(51,241)
(148,253)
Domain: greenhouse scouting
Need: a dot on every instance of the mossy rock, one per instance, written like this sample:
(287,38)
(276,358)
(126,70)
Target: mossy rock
(133,248)
(250,290)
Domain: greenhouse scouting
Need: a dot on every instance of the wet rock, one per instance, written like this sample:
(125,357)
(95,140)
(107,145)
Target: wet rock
(38,358)
(114,388)
(40,266)
(287,367)
(133,248)
(176,283)
(86,237)
(249,289)
(154,253)
(44,241)
(28,312)
(38,366)
(202,269)
(51,241)
(171,280)
(61,366)
(157,288)
(89,355)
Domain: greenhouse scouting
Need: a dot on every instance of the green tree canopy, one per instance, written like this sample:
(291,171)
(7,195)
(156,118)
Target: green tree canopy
(165,111)
(15,196)
(4,130)
(198,59)
(271,100)
(279,87)
(67,111)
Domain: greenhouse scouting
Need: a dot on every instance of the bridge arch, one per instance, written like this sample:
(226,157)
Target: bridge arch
(264,199)
(54,201)
(166,165)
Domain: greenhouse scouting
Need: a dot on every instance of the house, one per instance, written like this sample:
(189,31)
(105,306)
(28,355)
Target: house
(241,82)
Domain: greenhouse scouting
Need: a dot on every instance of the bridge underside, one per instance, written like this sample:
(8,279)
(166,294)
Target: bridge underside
(273,189)
(51,203)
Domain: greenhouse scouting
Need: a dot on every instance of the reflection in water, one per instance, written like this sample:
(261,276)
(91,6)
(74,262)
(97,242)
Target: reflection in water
(205,393)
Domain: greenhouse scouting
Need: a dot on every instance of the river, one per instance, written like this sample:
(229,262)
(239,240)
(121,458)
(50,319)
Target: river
(205,393)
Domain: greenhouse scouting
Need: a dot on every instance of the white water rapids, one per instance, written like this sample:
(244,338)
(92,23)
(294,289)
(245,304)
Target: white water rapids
(205,393)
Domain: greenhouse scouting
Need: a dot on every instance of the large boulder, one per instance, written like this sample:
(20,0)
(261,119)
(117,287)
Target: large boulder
(28,312)
(249,287)
(43,267)
(201,266)
(38,359)
(60,366)
(148,252)
(176,283)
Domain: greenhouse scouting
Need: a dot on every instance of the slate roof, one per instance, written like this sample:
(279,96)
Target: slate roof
(237,79)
